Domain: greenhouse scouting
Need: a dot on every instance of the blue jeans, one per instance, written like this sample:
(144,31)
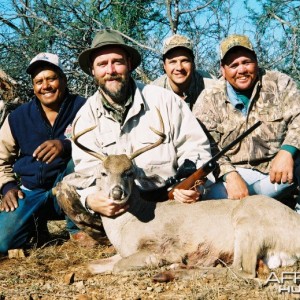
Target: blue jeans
(258,184)
(37,206)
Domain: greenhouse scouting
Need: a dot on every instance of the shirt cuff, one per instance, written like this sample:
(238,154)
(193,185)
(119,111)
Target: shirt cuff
(293,150)
(67,148)
(227,168)
(8,186)
(225,175)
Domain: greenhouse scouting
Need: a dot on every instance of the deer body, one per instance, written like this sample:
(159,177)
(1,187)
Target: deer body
(201,234)
(198,234)
(172,227)
(204,232)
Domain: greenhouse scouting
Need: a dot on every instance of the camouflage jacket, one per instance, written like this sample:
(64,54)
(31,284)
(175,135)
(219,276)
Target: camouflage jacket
(275,101)
(200,80)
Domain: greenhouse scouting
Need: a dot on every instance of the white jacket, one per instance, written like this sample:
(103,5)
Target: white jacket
(184,136)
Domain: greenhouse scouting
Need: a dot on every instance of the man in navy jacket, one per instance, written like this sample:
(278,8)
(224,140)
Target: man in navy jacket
(35,153)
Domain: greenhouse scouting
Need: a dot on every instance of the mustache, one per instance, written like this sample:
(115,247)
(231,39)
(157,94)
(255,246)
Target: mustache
(113,77)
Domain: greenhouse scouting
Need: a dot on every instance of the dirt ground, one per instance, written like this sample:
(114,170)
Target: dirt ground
(57,270)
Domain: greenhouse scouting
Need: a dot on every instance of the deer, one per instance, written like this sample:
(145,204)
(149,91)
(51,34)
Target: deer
(152,234)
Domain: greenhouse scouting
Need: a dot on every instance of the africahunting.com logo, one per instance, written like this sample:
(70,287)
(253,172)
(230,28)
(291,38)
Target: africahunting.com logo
(288,282)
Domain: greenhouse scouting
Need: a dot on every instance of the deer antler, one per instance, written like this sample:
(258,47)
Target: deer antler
(75,138)
(102,157)
(161,133)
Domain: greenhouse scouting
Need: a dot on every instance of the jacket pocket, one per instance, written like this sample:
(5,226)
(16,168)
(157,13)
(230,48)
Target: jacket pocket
(106,139)
(229,132)
(159,155)
(274,129)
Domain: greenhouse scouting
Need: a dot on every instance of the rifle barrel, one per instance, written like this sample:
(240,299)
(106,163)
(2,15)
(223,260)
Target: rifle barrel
(233,143)
(209,165)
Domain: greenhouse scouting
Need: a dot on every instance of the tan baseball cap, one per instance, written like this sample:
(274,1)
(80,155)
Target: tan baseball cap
(44,58)
(176,41)
(232,41)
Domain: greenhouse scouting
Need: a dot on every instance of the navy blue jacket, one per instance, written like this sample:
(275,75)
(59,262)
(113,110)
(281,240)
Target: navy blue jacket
(30,129)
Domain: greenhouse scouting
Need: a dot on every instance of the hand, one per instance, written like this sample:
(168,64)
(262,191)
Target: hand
(48,151)
(10,200)
(186,196)
(282,168)
(236,186)
(99,203)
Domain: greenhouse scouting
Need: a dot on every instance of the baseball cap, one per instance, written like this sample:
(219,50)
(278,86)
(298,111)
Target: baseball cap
(232,41)
(176,41)
(44,58)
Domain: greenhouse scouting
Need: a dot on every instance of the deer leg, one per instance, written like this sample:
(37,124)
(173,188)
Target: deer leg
(103,265)
(138,260)
(246,250)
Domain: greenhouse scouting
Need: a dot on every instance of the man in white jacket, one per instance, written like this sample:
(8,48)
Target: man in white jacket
(123,111)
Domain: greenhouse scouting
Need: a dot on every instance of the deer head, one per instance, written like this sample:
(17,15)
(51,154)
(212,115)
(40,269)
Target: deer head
(117,171)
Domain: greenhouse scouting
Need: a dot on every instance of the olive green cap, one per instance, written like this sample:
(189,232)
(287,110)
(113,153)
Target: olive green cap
(103,38)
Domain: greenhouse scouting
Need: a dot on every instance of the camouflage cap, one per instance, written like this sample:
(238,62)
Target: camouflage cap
(232,41)
(176,41)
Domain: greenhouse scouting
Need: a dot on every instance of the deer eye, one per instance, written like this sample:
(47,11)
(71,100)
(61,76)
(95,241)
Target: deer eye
(103,174)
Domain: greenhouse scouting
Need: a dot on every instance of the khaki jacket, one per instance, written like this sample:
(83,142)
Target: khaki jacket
(184,136)
(275,101)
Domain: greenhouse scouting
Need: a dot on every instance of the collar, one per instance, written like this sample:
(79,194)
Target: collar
(119,112)
(233,98)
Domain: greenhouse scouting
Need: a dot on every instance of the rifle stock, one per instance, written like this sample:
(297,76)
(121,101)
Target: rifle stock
(188,182)
(209,166)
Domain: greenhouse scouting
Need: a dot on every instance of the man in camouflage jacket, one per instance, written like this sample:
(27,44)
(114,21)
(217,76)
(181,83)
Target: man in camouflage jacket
(181,77)
(267,160)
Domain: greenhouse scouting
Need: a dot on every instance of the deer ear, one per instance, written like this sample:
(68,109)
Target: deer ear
(150,183)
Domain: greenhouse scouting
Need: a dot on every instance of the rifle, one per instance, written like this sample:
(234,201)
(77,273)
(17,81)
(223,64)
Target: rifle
(210,165)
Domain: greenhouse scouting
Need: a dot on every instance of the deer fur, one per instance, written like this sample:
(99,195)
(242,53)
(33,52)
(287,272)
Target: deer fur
(205,233)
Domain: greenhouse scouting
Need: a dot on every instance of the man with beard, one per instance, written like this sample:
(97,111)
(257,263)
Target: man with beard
(267,161)
(123,112)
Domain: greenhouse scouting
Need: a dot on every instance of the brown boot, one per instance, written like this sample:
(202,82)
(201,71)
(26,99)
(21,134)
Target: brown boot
(82,239)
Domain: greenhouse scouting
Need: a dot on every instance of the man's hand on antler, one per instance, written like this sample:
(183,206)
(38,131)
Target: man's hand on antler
(48,151)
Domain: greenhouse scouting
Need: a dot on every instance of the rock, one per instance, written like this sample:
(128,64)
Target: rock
(16,253)
(69,278)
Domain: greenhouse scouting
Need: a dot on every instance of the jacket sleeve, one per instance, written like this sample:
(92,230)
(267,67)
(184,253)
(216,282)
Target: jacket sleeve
(189,138)
(86,166)
(67,148)
(8,154)
(291,100)
(205,111)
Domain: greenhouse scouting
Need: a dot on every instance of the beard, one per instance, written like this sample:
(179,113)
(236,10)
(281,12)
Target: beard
(118,92)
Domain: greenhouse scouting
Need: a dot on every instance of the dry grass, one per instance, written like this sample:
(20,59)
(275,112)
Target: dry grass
(58,271)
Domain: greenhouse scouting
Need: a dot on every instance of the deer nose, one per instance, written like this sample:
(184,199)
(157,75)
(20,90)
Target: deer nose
(117,193)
